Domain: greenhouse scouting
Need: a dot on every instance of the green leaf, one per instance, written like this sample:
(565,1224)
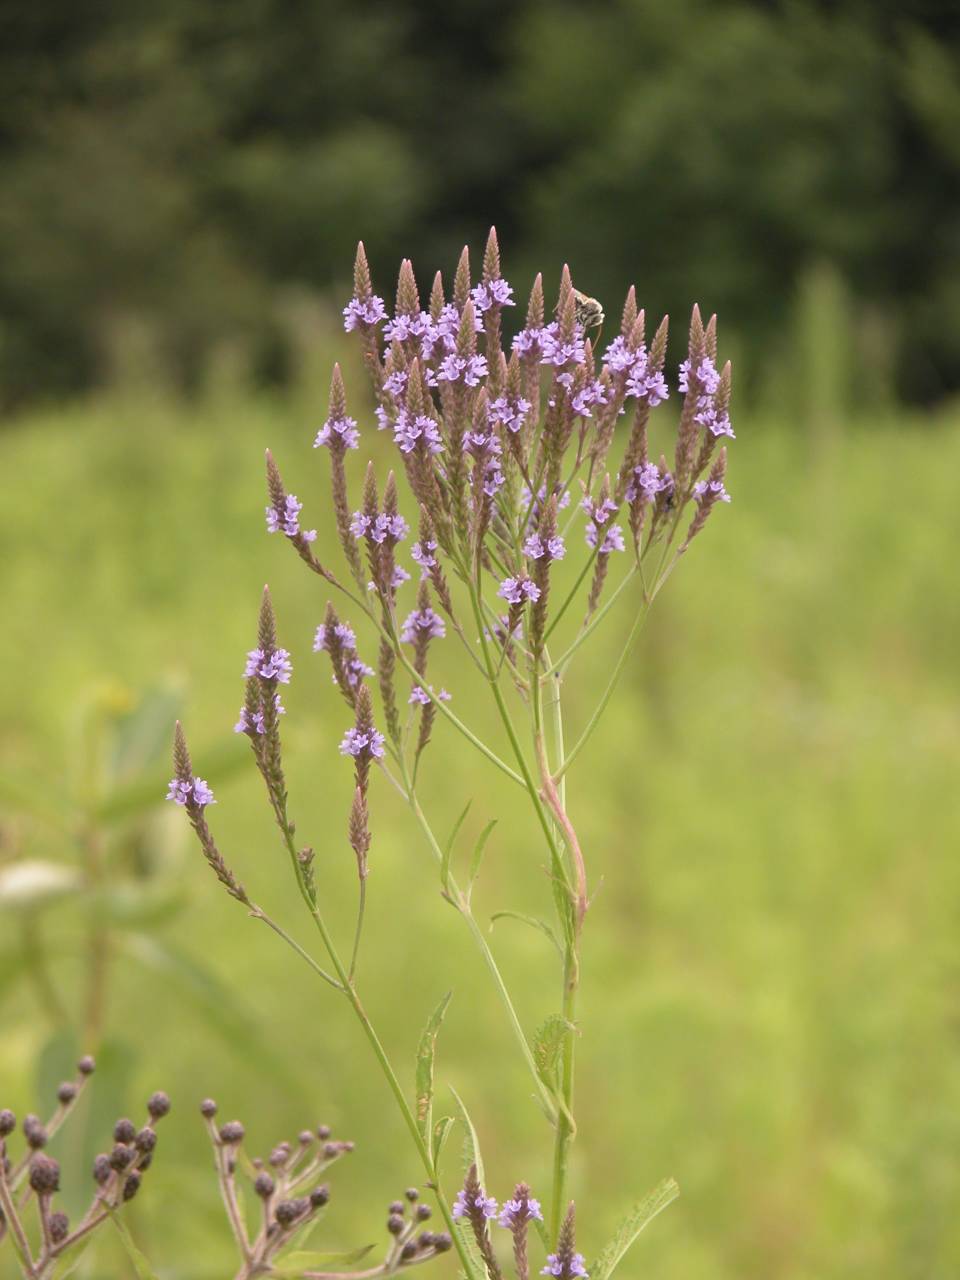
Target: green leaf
(548,1045)
(478,849)
(448,851)
(294,1264)
(533,921)
(441,1131)
(635,1221)
(140,1264)
(142,736)
(426,1053)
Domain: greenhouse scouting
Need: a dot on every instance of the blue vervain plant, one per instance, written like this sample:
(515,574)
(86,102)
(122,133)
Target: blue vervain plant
(493,447)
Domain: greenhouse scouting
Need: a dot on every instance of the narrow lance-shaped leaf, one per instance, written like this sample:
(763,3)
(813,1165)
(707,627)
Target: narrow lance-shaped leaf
(140,1265)
(441,1131)
(548,1045)
(448,851)
(478,849)
(533,921)
(635,1221)
(301,1260)
(426,1054)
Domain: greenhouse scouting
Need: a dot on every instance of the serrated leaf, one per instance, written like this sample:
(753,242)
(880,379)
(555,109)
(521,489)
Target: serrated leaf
(478,848)
(294,1264)
(548,1045)
(448,851)
(426,1054)
(533,921)
(441,1131)
(140,1264)
(642,1213)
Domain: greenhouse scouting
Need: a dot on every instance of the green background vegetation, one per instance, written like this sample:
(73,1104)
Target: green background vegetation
(772,964)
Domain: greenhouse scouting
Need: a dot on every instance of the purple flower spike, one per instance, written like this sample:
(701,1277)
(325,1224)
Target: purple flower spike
(338,433)
(275,665)
(409,431)
(363,312)
(288,520)
(365,743)
(612,539)
(555,1267)
(497,292)
(426,621)
(422,554)
(516,590)
(195,792)
(712,488)
(553,548)
(515,1212)
(256,725)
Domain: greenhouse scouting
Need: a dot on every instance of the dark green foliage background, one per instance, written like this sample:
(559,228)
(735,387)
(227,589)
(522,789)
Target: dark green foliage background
(189,167)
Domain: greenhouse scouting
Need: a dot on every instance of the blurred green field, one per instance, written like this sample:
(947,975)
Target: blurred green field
(771,999)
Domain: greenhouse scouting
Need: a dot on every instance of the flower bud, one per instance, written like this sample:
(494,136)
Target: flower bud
(44,1175)
(158,1105)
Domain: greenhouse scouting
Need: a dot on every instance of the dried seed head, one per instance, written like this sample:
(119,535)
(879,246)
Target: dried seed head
(158,1105)
(208,1108)
(86,1066)
(145,1141)
(408,1251)
(412,1194)
(264,1185)
(323,1132)
(320,1196)
(288,1211)
(131,1185)
(66,1093)
(44,1175)
(305,1137)
(423,1212)
(122,1156)
(395,1224)
(232,1133)
(58,1224)
(34,1132)
(102,1169)
(124,1131)
(442,1242)
(8,1122)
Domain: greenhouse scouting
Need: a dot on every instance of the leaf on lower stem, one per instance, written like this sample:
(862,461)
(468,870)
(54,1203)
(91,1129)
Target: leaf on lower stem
(471,1145)
(477,856)
(426,1055)
(548,1046)
(635,1221)
(533,921)
(294,1264)
(140,1264)
(448,851)
(441,1131)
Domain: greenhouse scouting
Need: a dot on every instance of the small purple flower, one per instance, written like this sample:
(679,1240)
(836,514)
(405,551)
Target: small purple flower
(409,431)
(712,489)
(486,1204)
(529,342)
(245,725)
(422,554)
(359,524)
(400,328)
(427,621)
(395,384)
(644,385)
(338,434)
(419,694)
(553,548)
(718,424)
(560,353)
(272,665)
(705,375)
(574,1267)
(599,512)
(507,413)
(363,311)
(589,395)
(195,792)
(360,742)
(516,1212)
(646,481)
(388,528)
(342,633)
(496,292)
(288,521)
(612,539)
(516,590)
(621,358)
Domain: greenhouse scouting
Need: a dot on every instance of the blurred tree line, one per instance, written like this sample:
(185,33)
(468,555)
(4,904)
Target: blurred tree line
(187,170)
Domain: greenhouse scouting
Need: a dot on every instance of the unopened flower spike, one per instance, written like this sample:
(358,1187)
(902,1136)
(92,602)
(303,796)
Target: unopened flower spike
(566,1263)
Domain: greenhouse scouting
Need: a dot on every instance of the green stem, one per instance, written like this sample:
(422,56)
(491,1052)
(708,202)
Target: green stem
(564,659)
(565,1131)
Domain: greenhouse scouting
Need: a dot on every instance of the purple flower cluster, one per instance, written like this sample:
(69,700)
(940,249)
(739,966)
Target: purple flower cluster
(565,1268)
(419,694)
(363,311)
(246,724)
(486,1204)
(288,520)
(712,489)
(647,481)
(422,622)
(195,792)
(344,638)
(516,590)
(338,433)
(508,412)
(379,528)
(559,351)
(422,554)
(362,743)
(515,1212)
(553,548)
(272,665)
(494,293)
(454,368)
(704,382)
(642,382)
(599,513)
(409,431)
